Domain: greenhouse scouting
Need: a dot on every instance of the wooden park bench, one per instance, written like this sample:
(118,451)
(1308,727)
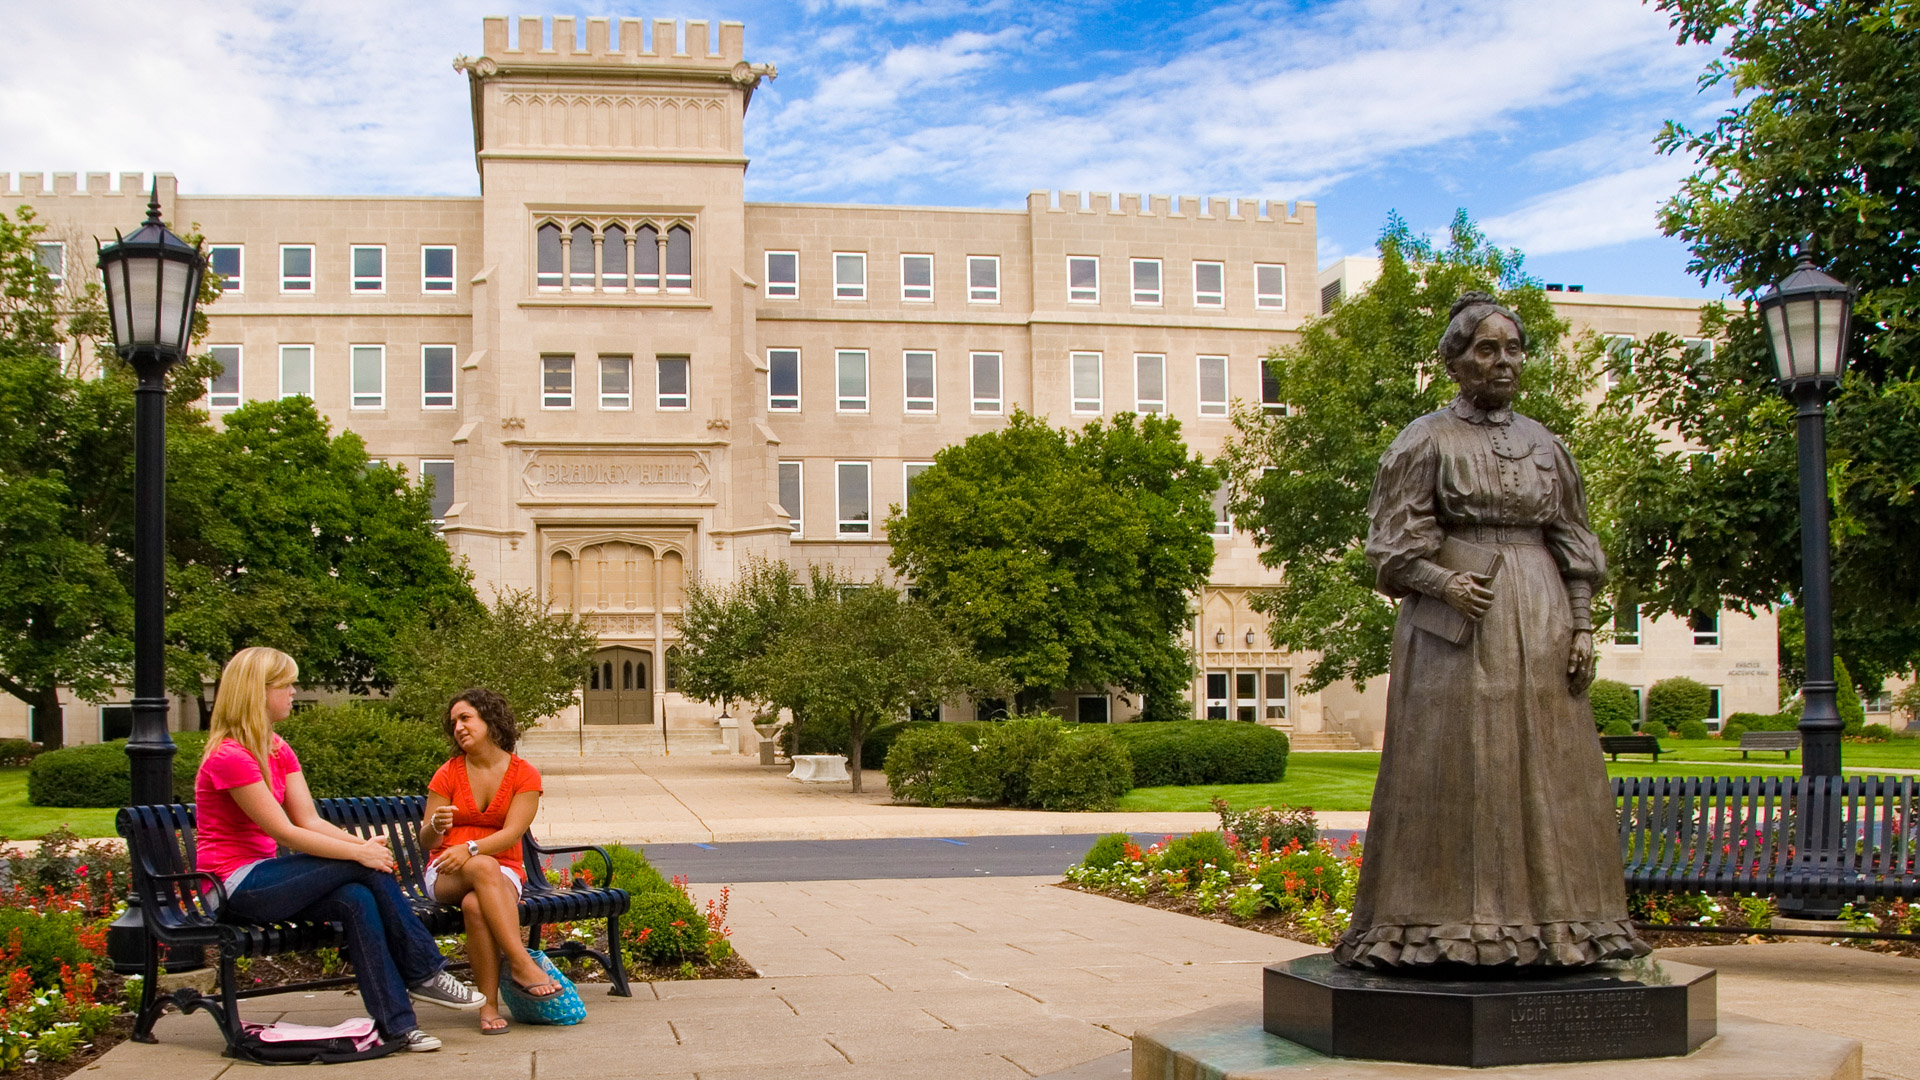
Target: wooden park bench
(1843,840)
(1630,744)
(1785,741)
(181,905)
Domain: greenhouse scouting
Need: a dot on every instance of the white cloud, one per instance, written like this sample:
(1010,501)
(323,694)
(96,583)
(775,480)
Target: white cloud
(1610,209)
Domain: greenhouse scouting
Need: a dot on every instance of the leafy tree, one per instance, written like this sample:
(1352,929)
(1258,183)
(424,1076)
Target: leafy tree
(724,626)
(1067,557)
(1818,144)
(1301,475)
(516,647)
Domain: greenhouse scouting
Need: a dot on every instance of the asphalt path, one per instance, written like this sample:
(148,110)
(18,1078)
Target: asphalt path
(901,857)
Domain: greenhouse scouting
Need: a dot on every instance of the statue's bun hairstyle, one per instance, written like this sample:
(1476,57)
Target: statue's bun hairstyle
(1465,317)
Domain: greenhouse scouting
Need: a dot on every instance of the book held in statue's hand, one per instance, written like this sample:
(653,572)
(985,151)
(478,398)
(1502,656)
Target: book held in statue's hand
(1436,616)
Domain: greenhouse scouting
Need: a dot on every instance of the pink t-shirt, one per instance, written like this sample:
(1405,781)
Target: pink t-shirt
(228,839)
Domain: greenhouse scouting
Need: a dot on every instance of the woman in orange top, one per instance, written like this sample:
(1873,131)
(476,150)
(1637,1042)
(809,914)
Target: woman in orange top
(479,805)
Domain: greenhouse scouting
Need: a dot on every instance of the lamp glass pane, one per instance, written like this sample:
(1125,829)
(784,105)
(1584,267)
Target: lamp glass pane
(1832,320)
(1803,334)
(143,299)
(1777,337)
(176,303)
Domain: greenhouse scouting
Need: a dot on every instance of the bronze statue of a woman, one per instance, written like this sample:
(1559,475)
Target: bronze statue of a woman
(1492,838)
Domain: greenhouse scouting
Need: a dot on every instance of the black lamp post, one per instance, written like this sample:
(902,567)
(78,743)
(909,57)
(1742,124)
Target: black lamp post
(153,286)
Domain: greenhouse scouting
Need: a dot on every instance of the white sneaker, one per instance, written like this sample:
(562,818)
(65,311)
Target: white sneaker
(419,1042)
(446,991)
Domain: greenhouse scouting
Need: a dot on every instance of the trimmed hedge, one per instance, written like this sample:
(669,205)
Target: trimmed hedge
(364,749)
(1086,770)
(101,774)
(1746,721)
(1694,729)
(931,765)
(1612,701)
(1028,761)
(1617,727)
(1185,752)
(1672,702)
(1659,730)
(17,752)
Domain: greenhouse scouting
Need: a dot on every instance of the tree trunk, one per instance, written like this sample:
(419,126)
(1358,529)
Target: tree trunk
(206,712)
(856,735)
(51,716)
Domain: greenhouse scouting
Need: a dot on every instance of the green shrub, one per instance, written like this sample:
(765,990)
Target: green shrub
(1695,729)
(1306,875)
(1271,826)
(1677,700)
(1612,701)
(874,748)
(1876,732)
(100,774)
(1108,851)
(679,931)
(631,870)
(1780,721)
(1195,851)
(1617,727)
(46,941)
(932,765)
(1853,711)
(1086,770)
(1008,754)
(1186,752)
(1732,730)
(17,752)
(1659,730)
(364,749)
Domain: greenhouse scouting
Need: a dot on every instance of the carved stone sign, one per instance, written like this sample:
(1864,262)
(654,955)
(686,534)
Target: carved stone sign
(617,475)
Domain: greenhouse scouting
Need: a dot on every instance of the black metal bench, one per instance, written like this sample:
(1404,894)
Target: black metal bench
(175,901)
(1630,744)
(1823,838)
(1785,741)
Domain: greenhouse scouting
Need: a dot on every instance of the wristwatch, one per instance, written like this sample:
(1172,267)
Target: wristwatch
(473,848)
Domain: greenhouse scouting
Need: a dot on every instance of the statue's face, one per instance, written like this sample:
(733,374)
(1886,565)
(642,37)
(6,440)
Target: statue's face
(1489,371)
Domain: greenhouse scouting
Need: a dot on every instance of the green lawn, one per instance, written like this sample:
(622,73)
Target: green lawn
(1345,781)
(20,821)
(1897,754)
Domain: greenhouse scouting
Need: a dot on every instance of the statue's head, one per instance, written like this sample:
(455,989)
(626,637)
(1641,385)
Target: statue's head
(1483,348)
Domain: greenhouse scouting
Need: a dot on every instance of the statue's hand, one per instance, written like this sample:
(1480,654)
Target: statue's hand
(1580,667)
(1469,594)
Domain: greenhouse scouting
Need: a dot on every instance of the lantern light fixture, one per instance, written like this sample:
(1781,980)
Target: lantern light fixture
(1807,316)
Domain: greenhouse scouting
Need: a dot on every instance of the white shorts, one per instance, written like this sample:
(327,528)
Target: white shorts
(432,874)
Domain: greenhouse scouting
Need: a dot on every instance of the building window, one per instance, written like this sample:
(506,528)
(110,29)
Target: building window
(918,369)
(438,473)
(616,383)
(646,259)
(1085,372)
(679,259)
(673,378)
(228,263)
(1698,350)
(1149,383)
(1217,695)
(1209,284)
(369,268)
(52,257)
(1276,695)
(849,275)
(783,275)
(547,267)
(783,380)
(1222,517)
(296,268)
(369,376)
(916,277)
(1146,281)
(986,382)
(296,371)
(983,279)
(850,369)
(1270,286)
(1639,704)
(1213,385)
(1090,709)
(1713,704)
(1706,629)
(436,268)
(1083,279)
(909,476)
(580,257)
(790,499)
(854,505)
(556,382)
(1626,626)
(1619,360)
(1270,390)
(613,258)
(436,376)
(223,389)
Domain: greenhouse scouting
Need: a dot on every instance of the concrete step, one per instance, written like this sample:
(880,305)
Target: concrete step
(629,740)
(1323,740)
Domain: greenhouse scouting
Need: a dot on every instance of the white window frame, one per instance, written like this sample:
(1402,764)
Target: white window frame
(1140,401)
(239,394)
(615,401)
(1271,408)
(795,514)
(1080,404)
(427,401)
(1222,515)
(1707,639)
(302,286)
(1214,299)
(1272,707)
(850,527)
(1639,631)
(448,462)
(906,291)
(1215,409)
(906,479)
(1614,344)
(1080,295)
(995,405)
(308,392)
(1704,346)
(842,401)
(428,284)
(239,278)
(1154,297)
(40,246)
(782,402)
(672,402)
(553,401)
(782,290)
(1716,704)
(1270,301)
(355,277)
(363,401)
(911,403)
(983,294)
(849,290)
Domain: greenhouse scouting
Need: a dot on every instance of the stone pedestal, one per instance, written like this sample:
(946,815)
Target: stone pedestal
(1504,1016)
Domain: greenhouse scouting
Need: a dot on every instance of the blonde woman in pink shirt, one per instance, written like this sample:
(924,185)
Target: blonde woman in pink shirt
(252,799)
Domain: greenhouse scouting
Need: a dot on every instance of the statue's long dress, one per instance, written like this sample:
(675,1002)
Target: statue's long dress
(1492,836)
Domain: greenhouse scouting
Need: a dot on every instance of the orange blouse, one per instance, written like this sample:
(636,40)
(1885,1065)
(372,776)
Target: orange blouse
(474,822)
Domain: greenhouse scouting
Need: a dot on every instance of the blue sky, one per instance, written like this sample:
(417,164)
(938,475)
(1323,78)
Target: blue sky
(1537,116)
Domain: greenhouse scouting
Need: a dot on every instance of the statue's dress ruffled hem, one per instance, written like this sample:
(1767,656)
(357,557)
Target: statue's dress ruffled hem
(1575,944)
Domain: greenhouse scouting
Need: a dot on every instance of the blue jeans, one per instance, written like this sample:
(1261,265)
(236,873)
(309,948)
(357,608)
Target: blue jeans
(390,948)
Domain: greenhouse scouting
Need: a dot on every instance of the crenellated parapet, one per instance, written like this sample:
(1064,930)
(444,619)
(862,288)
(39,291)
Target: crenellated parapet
(1194,208)
(98,186)
(667,47)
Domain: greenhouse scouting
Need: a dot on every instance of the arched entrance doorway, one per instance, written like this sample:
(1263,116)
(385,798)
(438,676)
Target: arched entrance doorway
(620,690)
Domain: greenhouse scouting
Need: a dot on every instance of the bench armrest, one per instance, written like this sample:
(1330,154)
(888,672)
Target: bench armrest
(219,887)
(573,849)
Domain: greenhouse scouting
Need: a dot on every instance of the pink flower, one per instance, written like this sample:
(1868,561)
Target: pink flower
(81,870)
